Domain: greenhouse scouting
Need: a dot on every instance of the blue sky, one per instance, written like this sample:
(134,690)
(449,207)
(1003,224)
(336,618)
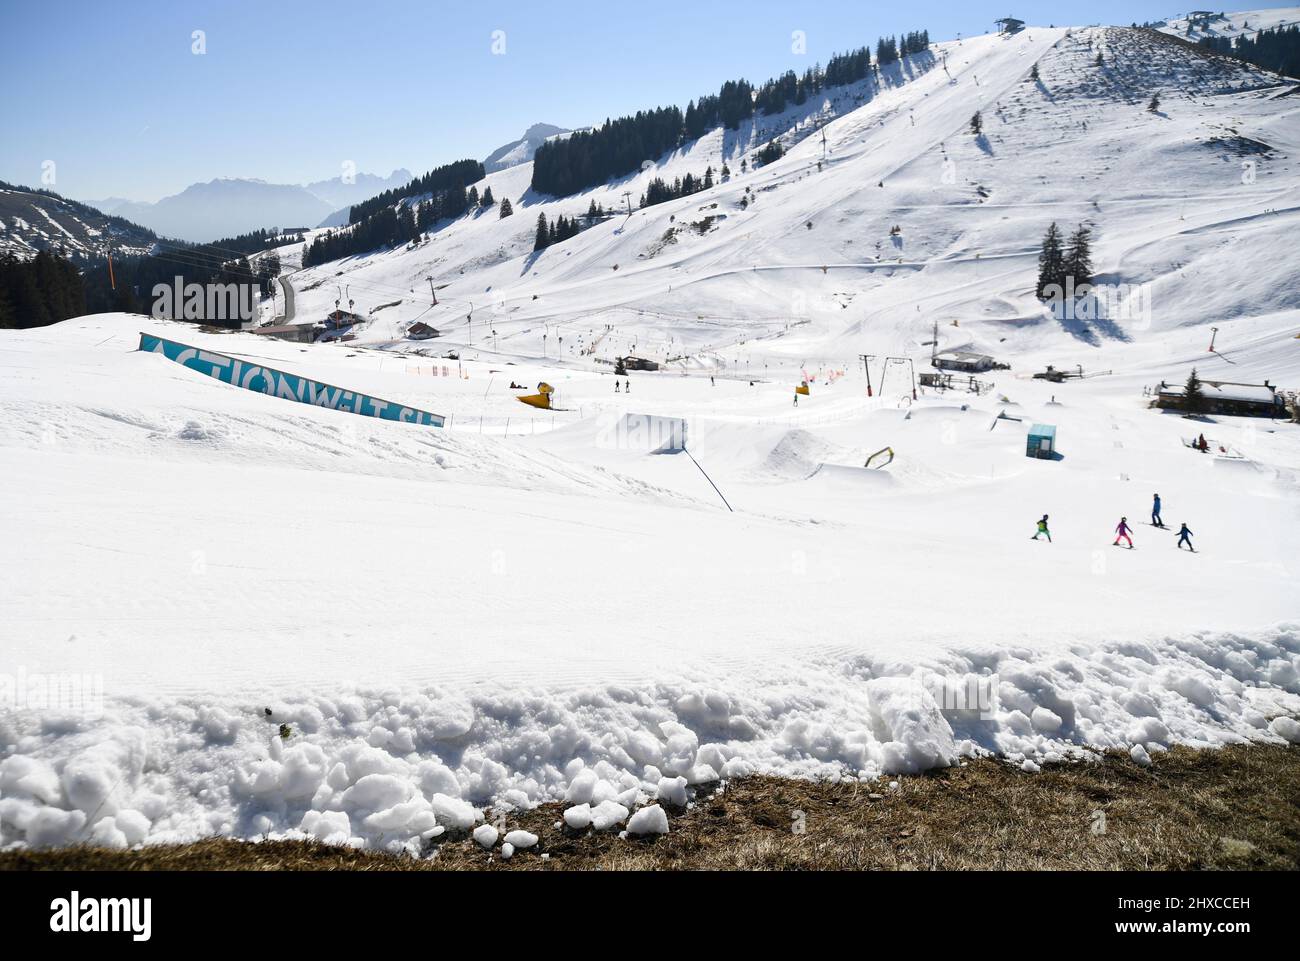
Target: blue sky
(289,90)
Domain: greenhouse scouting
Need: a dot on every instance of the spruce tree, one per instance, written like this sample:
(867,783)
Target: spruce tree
(543,237)
(1193,394)
(1078,258)
(506,208)
(1051,263)
(488,200)
(977,124)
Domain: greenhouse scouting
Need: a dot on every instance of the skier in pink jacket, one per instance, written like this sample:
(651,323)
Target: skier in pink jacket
(1123,530)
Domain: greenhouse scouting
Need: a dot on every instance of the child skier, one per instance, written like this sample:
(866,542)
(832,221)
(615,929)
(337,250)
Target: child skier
(1185,535)
(1042,529)
(1123,530)
(1155,513)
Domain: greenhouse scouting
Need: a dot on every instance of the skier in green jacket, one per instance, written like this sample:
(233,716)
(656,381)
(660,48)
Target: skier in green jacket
(1042,529)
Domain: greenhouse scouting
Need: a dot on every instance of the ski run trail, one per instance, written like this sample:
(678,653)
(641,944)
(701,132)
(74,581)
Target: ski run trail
(532,605)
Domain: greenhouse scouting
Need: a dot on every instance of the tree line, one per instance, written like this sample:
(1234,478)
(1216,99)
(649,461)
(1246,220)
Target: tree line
(38,292)
(51,287)
(587,158)
(392,218)
(439,180)
(1277,49)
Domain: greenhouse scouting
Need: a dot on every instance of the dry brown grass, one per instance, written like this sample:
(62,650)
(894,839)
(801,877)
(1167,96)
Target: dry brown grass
(1236,808)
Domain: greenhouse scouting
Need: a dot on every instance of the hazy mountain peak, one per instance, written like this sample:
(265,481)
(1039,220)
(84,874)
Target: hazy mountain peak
(521,151)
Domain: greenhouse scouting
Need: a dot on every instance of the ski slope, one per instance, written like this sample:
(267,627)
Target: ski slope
(452,619)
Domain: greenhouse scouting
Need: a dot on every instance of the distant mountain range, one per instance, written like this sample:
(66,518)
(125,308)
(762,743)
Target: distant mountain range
(207,212)
(229,207)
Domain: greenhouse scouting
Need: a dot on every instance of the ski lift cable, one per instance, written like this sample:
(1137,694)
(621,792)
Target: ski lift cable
(231,268)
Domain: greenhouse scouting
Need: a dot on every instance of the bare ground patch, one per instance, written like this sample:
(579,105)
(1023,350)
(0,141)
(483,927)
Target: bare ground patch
(1235,808)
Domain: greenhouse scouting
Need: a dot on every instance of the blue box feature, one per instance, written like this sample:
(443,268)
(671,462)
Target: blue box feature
(1042,441)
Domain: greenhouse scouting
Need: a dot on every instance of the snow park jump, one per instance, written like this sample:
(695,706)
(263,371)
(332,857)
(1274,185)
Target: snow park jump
(277,383)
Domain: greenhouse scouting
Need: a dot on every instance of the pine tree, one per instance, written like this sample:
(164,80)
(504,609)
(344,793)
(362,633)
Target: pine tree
(506,208)
(977,124)
(1193,394)
(471,200)
(543,237)
(1051,264)
(488,200)
(1078,258)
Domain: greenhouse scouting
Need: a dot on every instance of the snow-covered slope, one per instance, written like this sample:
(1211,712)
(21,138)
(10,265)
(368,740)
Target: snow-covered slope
(530,605)
(1232,24)
(810,239)
(521,151)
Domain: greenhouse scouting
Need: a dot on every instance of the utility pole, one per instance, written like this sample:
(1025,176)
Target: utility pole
(433,292)
(1214,332)
(866,364)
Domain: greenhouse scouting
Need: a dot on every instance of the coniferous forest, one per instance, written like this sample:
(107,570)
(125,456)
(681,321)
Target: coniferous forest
(618,147)
(40,291)
(1277,49)
(383,221)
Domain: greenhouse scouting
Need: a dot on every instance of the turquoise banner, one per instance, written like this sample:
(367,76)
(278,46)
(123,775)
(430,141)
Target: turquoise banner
(276,383)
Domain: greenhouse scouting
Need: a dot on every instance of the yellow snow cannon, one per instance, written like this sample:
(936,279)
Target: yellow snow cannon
(802,389)
(540,399)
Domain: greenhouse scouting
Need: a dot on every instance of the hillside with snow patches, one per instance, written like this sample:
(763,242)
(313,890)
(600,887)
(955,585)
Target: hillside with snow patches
(32,221)
(531,605)
(1231,24)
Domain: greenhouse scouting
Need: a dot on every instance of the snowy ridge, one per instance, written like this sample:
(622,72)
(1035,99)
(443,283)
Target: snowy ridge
(31,222)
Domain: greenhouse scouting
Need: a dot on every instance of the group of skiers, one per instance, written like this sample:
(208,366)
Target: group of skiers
(1123,532)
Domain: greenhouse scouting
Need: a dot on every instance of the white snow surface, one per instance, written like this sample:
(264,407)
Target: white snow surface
(531,606)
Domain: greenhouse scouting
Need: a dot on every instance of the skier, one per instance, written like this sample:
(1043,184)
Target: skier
(1042,529)
(1184,535)
(1155,513)
(1123,530)
(617,388)
(627,386)
(796,398)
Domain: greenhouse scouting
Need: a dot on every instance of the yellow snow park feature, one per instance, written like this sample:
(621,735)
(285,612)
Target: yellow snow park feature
(540,399)
(802,389)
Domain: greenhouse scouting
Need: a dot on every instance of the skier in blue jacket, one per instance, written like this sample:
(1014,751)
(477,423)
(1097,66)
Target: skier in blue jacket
(1155,513)
(1184,535)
